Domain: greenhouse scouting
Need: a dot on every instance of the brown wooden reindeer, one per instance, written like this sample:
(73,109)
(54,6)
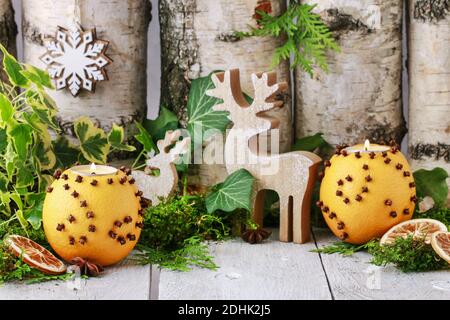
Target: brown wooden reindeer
(163,185)
(291,174)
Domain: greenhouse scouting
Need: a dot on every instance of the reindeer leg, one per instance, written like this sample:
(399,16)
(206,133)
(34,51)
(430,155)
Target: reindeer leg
(285,219)
(258,207)
(301,218)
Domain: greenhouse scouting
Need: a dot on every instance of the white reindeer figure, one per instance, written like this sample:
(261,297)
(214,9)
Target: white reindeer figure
(290,174)
(161,186)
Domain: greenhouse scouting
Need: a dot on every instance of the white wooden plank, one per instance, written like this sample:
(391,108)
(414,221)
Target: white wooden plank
(355,278)
(125,281)
(271,270)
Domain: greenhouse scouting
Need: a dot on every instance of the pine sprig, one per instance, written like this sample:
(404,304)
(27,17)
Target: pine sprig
(307,38)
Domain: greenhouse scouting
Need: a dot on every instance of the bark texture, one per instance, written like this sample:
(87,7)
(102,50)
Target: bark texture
(197,38)
(429,79)
(360,97)
(121,99)
(8,31)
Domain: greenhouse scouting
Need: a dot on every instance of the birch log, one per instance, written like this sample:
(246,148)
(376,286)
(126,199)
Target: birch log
(197,37)
(121,99)
(360,97)
(429,78)
(8,30)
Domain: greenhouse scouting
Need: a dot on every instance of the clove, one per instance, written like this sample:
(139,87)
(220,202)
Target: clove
(388,202)
(75,194)
(127,219)
(339,193)
(71,240)
(358,154)
(372,155)
(343,236)
(66,187)
(140,225)
(94,182)
(319,204)
(79,179)
(326,209)
(412,184)
(387,160)
(83,204)
(365,167)
(132,181)
(64,176)
(346,200)
(83,240)
(344,153)
(121,240)
(49,189)
(90,214)
(406,173)
(327,163)
(71,218)
(92,228)
(368,178)
(340,225)
(413,199)
(399,166)
(384,154)
(141,212)
(358,198)
(139,193)
(340,182)
(118,223)
(393,214)
(332,215)
(348,178)
(131,237)
(110,181)
(406,211)
(112,234)
(123,180)
(57,174)
(60,227)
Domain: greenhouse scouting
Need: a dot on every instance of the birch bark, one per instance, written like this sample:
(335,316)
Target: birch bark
(197,38)
(360,97)
(8,30)
(429,79)
(121,99)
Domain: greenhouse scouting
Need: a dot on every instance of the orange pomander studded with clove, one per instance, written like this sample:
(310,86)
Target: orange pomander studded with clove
(96,218)
(368,193)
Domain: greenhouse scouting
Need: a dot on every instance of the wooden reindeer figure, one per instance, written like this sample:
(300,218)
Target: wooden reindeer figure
(156,187)
(291,174)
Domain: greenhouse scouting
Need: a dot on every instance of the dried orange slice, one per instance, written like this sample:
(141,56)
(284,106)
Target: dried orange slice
(35,255)
(440,241)
(418,228)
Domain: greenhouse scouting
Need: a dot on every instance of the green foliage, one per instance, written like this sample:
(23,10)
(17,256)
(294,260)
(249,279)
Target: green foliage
(28,153)
(116,139)
(440,214)
(432,183)
(305,36)
(408,254)
(166,121)
(202,119)
(234,193)
(193,253)
(345,249)
(311,143)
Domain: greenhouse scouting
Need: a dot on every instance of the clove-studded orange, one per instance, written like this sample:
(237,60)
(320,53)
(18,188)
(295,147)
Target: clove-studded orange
(81,215)
(364,194)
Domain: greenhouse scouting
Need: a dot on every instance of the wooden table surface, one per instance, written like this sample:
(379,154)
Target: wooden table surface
(272,270)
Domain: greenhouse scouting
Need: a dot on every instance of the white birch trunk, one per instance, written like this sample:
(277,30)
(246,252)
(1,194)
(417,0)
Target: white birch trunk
(360,97)
(197,38)
(8,31)
(121,99)
(429,78)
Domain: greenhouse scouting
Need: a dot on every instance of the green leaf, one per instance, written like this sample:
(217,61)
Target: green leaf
(10,159)
(3,182)
(234,193)
(24,176)
(43,151)
(21,218)
(432,183)
(3,140)
(93,141)
(20,134)
(38,76)
(13,69)
(45,114)
(6,109)
(66,153)
(311,143)
(145,139)
(34,216)
(116,137)
(167,120)
(200,110)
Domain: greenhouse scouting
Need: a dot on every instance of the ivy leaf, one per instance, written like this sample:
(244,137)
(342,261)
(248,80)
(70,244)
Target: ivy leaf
(93,141)
(20,134)
(44,113)
(167,120)
(116,137)
(432,183)
(200,110)
(24,176)
(3,182)
(66,153)
(43,150)
(10,159)
(13,69)
(145,139)
(37,76)
(3,140)
(234,193)
(6,109)
(21,218)
(34,215)
(311,143)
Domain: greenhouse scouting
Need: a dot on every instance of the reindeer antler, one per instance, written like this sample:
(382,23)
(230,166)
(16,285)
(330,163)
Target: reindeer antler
(169,138)
(266,87)
(227,87)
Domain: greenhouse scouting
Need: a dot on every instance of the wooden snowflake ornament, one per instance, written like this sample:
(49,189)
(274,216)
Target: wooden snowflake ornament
(76,59)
